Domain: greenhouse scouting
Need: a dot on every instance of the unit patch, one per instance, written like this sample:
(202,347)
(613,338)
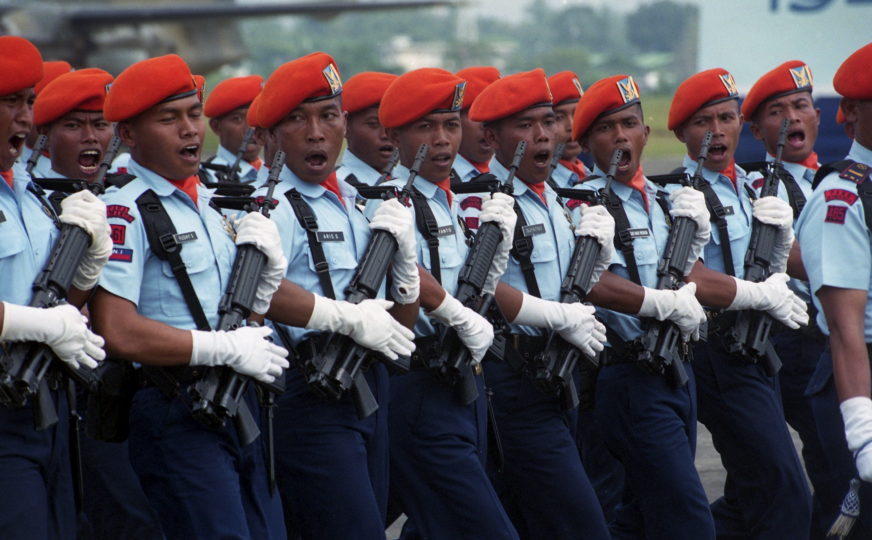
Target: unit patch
(121,255)
(119,232)
(841,195)
(836,214)
(118,211)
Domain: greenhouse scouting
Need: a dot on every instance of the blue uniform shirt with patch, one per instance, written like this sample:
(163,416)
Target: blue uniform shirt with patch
(345,233)
(363,172)
(553,242)
(247,172)
(835,241)
(27,236)
(651,232)
(136,274)
(452,240)
(564,177)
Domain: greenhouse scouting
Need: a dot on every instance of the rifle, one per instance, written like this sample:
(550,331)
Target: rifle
(36,153)
(220,392)
(378,190)
(555,161)
(749,336)
(662,339)
(340,366)
(230,174)
(24,368)
(454,364)
(553,367)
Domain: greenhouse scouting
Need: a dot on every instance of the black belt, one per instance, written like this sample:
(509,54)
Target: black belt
(169,379)
(426,348)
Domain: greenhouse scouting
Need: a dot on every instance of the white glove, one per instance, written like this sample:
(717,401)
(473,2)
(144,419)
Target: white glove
(690,203)
(598,223)
(474,331)
(393,217)
(680,307)
(257,229)
(499,208)
(63,328)
(574,322)
(85,210)
(245,350)
(774,211)
(857,414)
(368,323)
(773,297)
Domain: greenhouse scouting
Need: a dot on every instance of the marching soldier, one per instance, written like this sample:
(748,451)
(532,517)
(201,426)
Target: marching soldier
(332,466)
(37,496)
(226,107)
(833,233)
(438,444)
(50,71)
(766,495)
(369,148)
(566,89)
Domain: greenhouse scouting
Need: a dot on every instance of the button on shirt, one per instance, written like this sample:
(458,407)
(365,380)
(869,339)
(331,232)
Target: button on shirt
(136,274)
(835,241)
(27,236)
(342,255)
(452,246)
(648,246)
(247,172)
(552,248)
(363,172)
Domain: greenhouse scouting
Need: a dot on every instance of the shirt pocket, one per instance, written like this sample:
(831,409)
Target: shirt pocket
(11,240)
(198,259)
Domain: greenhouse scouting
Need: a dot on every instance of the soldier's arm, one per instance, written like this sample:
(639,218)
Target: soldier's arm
(713,289)
(432,293)
(795,267)
(617,294)
(844,310)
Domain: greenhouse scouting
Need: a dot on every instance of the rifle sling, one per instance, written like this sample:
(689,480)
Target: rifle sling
(623,239)
(522,249)
(309,223)
(429,229)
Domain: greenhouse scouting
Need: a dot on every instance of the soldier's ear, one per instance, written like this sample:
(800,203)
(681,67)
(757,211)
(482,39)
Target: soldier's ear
(679,133)
(126,134)
(490,136)
(215,124)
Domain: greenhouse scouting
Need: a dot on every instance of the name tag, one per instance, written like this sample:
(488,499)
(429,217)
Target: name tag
(533,230)
(447,230)
(330,236)
(2,216)
(728,211)
(181,238)
(638,233)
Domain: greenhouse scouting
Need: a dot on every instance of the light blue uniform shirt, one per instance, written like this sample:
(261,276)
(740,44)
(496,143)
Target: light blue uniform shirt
(553,242)
(835,241)
(737,203)
(651,233)
(364,173)
(564,177)
(43,164)
(247,172)
(136,274)
(452,246)
(27,236)
(333,217)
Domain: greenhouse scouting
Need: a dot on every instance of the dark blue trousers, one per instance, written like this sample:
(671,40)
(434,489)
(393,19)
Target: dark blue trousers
(543,484)
(437,469)
(332,467)
(36,491)
(765,495)
(200,481)
(651,428)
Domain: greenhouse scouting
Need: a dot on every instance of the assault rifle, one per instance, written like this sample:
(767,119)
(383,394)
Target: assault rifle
(554,365)
(36,153)
(220,392)
(749,336)
(555,162)
(340,366)
(661,342)
(230,174)
(454,364)
(24,367)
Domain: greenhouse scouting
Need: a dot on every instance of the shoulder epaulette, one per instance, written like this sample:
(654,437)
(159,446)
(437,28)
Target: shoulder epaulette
(118,180)
(837,166)
(856,172)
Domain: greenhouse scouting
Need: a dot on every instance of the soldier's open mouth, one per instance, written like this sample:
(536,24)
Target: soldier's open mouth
(15,143)
(796,138)
(386,150)
(626,157)
(442,159)
(316,159)
(542,158)
(190,151)
(89,161)
(717,151)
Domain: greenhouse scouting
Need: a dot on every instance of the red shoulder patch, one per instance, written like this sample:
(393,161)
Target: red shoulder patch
(471,202)
(758,183)
(118,211)
(572,204)
(471,222)
(836,214)
(119,233)
(840,195)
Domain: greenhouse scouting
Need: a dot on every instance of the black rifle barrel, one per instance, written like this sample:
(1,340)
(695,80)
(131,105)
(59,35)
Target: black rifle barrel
(36,153)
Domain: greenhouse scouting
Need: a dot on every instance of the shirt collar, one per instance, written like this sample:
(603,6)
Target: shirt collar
(713,176)
(162,187)
(464,168)
(860,153)
(363,171)
(290,180)
(230,158)
(623,191)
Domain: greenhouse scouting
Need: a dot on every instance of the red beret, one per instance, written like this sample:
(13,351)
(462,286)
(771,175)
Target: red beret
(565,86)
(232,94)
(83,90)
(251,116)
(701,90)
(788,78)
(510,95)
(853,79)
(313,77)
(365,90)
(50,71)
(20,63)
(477,79)
(419,93)
(605,96)
(147,83)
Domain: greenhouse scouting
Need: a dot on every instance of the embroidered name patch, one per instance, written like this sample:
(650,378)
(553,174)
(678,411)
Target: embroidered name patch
(840,195)
(118,211)
(447,230)
(119,232)
(836,214)
(330,236)
(121,255)
(533,230)
(638,233)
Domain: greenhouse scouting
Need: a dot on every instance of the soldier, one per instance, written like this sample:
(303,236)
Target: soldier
(542,484)
(438,444)
(567,91)
(50,71)
(37,496)
(332,465)
(833,233)
(226,107)
(766,495)
(369,148)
